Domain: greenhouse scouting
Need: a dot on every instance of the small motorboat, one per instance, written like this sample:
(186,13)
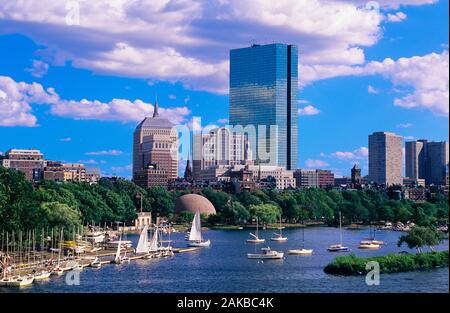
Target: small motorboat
(338,248)
(301,251)
(267,253)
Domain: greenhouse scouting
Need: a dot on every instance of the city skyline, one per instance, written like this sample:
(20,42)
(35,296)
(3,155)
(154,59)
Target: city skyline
(344,94)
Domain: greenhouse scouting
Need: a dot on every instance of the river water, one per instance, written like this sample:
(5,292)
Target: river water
(224,267)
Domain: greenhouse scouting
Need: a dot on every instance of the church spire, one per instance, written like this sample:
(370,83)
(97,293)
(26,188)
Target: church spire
(188,170)
(155,110)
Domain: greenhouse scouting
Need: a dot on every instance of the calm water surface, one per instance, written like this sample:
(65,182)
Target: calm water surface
(224,267)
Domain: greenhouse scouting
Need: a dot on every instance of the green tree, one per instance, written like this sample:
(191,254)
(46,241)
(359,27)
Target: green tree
(61,215)
(420,236)
(161,201)
(267,213)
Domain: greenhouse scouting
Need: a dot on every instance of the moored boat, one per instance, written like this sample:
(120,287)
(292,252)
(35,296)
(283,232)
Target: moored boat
(267,253)
(195,236)
(42,275)
(339,247)
(279,236)
(368,244)
(255,237)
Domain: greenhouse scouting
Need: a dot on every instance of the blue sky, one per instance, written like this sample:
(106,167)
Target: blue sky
(360,71)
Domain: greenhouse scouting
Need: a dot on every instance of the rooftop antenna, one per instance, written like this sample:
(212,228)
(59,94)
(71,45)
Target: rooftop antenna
(155,110)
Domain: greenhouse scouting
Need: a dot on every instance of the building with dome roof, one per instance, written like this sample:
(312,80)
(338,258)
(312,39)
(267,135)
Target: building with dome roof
(192,202)
(155,151)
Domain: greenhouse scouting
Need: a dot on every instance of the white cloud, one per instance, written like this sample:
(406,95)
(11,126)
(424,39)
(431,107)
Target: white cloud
(172,97)
(188,40)
(15,99)
(105,152)
(427,75)
(357,154)
(310,163)
(16,110)
(91,162)
(38,69)
(223,121)
(66,139)
(371,89)
(409,137)
(397,17)
(405,125)
(121,169)
(308,110)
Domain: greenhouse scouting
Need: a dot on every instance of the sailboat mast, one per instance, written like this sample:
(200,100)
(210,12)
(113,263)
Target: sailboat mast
(303,236)
(340,226)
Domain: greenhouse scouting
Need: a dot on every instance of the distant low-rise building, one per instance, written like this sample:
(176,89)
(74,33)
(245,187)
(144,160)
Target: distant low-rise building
(29,161)
(306,178)
(343,181)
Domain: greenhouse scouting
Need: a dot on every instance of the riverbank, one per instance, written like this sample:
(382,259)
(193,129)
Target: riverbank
(392,263)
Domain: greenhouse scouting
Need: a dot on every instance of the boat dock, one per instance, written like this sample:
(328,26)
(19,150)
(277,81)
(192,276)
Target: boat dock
(181,250)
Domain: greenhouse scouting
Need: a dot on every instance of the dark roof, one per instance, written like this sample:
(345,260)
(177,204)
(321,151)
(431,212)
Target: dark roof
(155,122)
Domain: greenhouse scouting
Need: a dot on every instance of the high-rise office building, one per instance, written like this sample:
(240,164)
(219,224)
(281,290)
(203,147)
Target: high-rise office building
(414,159)
(437,161)
(427,161)
(385,158)
(217,148)
(155,151)
(263,95)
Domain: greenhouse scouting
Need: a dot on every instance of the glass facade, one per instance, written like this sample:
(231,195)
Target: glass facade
(263,100)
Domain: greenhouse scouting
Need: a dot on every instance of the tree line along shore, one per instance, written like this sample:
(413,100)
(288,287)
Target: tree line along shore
(24,205)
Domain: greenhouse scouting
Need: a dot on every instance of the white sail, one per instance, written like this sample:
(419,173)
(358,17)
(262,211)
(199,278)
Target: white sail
(142,246)
(196,229)
(117,258)
(154,243)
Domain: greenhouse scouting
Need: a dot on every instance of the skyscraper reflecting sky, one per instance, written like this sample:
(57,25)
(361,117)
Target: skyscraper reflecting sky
(263,93)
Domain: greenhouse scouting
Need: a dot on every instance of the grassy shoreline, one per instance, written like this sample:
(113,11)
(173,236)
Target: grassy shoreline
(351,265)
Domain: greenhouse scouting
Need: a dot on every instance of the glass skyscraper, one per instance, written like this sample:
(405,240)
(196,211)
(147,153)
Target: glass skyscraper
(263,93)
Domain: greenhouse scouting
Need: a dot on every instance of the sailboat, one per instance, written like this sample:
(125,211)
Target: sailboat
(43,274)
(371,239)
(255,237)
(339,247)
(195,236)
(58,270)
(370,243)
(142,246)
(302,251)
(279,236)
(119,259)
